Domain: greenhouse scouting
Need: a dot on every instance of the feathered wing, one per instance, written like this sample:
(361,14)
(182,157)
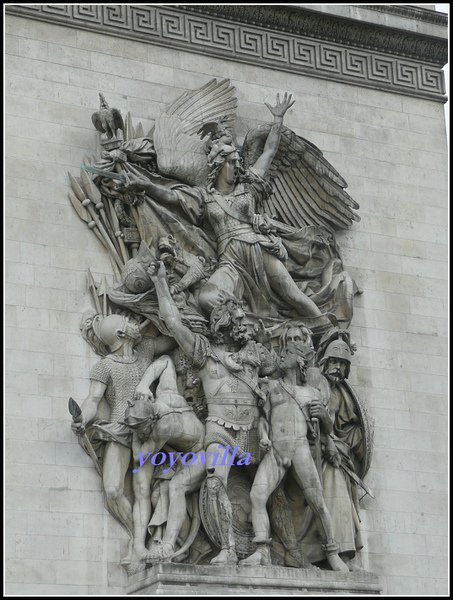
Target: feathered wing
(181,153)
(116,120)
(98,122)
(307,188)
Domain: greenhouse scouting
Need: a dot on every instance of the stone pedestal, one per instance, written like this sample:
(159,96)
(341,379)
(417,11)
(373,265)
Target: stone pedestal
(185,580)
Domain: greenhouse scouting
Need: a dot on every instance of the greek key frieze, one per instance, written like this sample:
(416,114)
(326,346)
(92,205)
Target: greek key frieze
(187,28)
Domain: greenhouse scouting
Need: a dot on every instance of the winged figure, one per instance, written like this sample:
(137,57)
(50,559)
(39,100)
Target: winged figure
(275,264)
(266,211)
(254,223)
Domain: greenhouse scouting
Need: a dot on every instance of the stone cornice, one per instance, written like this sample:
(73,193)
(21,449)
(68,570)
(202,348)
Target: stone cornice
(303,22)
(287,38)
(411,12)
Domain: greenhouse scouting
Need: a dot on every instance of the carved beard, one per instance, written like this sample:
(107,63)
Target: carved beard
(335,376)
(240,333)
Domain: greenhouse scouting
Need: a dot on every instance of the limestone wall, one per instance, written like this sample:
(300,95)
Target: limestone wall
(392,151)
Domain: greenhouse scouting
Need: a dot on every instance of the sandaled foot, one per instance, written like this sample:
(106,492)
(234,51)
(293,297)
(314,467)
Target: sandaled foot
(225,557)
(352,566)
(261,557)
(158,553)
(295,558)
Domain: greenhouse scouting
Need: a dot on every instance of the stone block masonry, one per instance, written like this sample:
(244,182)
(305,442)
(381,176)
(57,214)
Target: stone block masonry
(392,151)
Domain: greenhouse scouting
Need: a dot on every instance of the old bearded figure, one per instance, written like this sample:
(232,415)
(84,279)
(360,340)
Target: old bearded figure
(249,227)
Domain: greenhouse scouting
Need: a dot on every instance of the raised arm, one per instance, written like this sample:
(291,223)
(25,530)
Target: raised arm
(273,139)
(168,311)
(158,192)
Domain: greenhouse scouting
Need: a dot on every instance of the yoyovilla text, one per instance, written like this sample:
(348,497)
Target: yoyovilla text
(226,457)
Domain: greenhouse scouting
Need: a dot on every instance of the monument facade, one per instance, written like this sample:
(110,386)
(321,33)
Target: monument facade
(248,343)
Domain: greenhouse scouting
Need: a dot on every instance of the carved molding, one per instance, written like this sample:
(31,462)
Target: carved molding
(362,54)
(322,26)
(411,12)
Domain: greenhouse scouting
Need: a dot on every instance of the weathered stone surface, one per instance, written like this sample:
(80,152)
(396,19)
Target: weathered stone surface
(399,311)
(190,580)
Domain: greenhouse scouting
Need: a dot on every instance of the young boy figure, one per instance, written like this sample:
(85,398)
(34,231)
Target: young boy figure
(291,401)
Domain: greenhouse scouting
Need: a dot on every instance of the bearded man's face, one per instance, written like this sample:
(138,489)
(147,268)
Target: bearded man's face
(239,330)
(335,369)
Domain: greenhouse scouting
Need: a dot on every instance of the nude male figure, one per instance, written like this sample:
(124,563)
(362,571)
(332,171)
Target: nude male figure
(285,438)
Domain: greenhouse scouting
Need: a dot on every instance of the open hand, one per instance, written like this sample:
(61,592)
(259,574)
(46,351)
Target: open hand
(261,334)
(280,108)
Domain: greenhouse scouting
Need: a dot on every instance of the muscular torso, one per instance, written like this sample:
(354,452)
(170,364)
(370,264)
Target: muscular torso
(228,398)
(288,423)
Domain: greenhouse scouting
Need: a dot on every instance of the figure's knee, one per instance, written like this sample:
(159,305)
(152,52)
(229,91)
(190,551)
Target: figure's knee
(114,492)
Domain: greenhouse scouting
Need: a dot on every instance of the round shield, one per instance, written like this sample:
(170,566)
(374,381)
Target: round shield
(239,486)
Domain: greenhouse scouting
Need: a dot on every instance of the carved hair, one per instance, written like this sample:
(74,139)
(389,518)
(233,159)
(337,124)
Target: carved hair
(303,350)
(222,318)
(216,160)
(301,358)
(305,347)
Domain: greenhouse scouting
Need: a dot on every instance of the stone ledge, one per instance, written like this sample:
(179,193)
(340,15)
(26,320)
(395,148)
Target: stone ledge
(182,579)
(288,39)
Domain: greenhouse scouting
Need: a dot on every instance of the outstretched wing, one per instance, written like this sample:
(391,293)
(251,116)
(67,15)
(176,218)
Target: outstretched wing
(307,188)
(181,153)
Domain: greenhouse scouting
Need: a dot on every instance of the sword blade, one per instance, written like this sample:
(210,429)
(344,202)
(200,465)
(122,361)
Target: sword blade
(102,173)
(357,480)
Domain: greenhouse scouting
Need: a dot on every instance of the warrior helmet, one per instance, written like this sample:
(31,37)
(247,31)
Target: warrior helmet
(107,329)
(337,349)
(139,413)
(134,274)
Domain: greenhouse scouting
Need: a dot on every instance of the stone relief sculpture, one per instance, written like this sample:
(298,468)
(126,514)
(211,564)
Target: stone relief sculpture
(291,404)
(223,330)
